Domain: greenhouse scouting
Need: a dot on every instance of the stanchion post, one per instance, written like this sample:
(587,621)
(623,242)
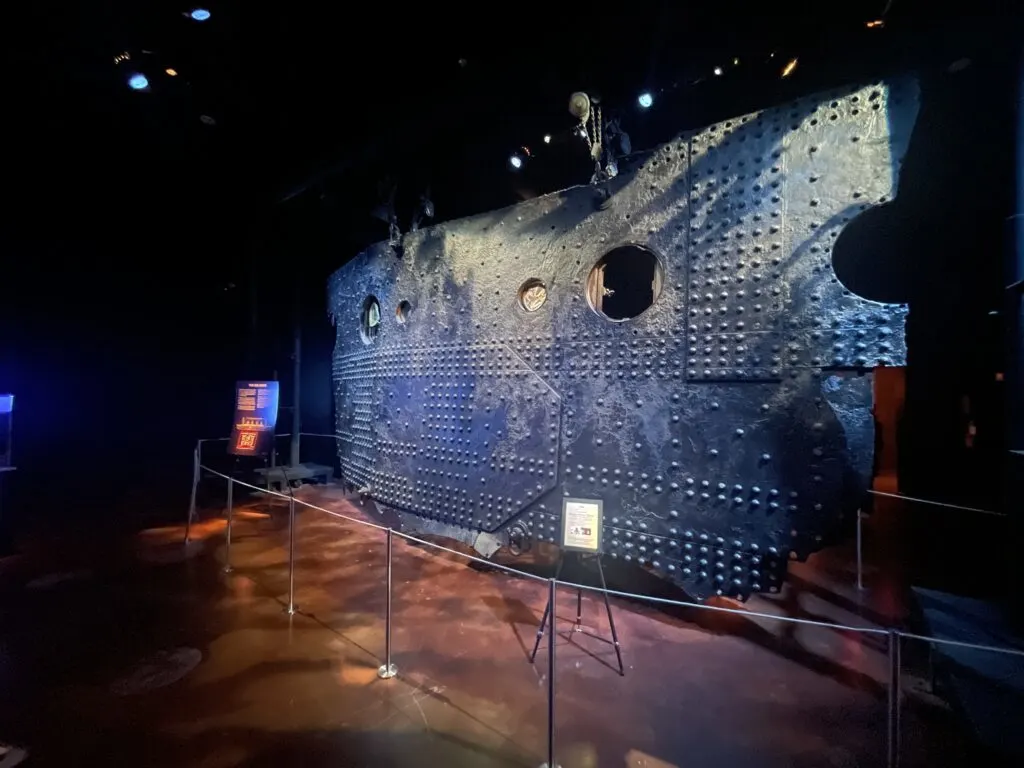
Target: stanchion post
(387,670)
(291,556)
(551,676)
(227,538)
(893,729)
(195,485)
(860,553)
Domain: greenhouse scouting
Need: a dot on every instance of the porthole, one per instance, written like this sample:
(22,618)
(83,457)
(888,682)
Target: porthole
(402,311)
(369,319)
(625,282)
(532,294)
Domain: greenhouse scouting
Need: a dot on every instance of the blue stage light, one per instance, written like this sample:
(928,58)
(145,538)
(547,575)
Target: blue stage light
(138,82)
(516,162)
(200,14)
(646,100)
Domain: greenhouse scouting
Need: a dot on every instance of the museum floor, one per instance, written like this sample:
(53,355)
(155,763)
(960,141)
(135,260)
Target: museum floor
(132,656)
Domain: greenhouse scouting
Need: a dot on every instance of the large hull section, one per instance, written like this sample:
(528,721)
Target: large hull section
(726,429)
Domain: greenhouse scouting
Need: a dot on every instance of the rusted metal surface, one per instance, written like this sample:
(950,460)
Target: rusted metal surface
(727,428)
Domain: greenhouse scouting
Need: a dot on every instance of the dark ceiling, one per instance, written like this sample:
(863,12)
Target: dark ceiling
(317,103)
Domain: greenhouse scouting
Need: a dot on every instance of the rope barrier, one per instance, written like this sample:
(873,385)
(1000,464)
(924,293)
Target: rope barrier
(488,563)
(277,435)
(649,598)
(722,609)
(962,644)
(286,497)
(938,503)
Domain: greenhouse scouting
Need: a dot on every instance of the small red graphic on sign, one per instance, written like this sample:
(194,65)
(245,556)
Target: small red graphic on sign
(246,441)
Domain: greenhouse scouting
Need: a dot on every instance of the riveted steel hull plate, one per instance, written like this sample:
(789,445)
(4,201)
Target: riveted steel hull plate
(726,429)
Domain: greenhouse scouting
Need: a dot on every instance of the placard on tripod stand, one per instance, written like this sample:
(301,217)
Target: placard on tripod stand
(582,523)
(582,520)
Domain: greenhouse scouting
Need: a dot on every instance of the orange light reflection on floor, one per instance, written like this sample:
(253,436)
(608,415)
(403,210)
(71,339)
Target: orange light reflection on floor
(200,530)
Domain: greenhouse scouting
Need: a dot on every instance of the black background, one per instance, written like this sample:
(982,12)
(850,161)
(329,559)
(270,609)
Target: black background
(136,235)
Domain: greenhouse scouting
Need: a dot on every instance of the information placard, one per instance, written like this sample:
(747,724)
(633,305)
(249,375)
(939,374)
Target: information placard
(581,524)
(252,433)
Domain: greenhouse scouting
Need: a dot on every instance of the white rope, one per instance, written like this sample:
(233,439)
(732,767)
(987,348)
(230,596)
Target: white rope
(648,598)
(938,503)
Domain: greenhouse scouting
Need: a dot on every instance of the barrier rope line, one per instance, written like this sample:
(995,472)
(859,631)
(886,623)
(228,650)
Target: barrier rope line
(721,609)
(268,492)
(406,536)
(571,585)
(644,598)
(938,503)
(962,644)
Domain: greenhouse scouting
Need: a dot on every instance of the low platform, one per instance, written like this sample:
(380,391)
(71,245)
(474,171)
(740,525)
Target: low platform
(278,478)
(987,687)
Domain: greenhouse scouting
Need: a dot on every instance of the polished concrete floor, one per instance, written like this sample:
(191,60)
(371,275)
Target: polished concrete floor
(135,655)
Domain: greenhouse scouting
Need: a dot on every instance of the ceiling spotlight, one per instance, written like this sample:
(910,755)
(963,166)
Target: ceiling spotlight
(646,100)
(790,66)
(138,82)
(171,72)
(547,138)
(876,24)
(200,14)
(735,62)
(516,162)
(717,71)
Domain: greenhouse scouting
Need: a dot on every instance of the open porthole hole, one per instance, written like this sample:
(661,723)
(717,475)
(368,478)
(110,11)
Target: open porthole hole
(532,294)
(874,258)
(625,282)
(369,319)
(402,311)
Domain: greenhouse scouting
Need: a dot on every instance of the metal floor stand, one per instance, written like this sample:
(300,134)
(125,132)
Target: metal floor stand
(578,626)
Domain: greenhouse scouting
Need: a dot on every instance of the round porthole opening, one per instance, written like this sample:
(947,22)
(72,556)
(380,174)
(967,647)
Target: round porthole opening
(625,283)
(402,311)
(369,319)
(532,294)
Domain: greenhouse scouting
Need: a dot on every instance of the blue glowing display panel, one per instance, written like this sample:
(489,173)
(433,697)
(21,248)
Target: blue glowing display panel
(252,433)
(6,404)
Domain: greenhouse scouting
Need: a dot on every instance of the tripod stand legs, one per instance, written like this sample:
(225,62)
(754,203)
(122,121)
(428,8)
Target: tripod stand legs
(548,607)
(578,626)
(611,621)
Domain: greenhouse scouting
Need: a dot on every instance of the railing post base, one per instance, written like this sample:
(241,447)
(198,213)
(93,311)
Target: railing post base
(552,597)
(860,552)
(227,537)
(387,670)
(893,725)
(290,610)
(196,459)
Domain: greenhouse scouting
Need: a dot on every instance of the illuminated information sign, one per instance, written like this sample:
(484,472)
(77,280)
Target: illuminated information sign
(581,524)
(255,418)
